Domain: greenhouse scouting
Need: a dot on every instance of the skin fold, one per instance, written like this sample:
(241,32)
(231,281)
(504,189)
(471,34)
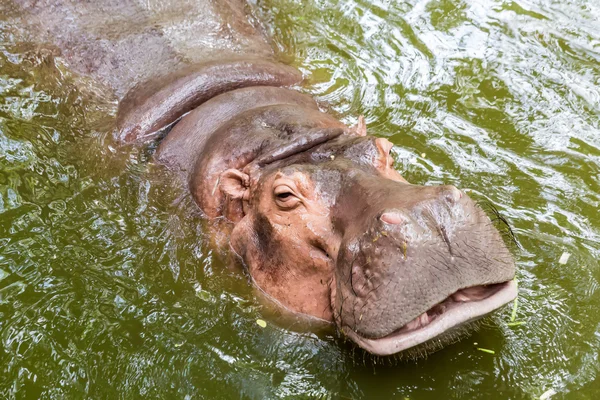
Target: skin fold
(314,209)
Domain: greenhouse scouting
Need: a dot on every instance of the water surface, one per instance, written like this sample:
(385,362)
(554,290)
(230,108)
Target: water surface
(108,288)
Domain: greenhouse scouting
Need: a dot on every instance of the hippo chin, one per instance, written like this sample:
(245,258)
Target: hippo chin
(315,210)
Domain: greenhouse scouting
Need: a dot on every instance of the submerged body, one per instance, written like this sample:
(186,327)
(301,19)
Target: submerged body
(323,223)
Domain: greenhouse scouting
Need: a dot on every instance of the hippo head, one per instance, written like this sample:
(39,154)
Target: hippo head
(335,232)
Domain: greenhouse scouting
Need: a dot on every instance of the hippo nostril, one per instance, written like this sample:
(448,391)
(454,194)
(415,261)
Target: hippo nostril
(393,218)
(451,194)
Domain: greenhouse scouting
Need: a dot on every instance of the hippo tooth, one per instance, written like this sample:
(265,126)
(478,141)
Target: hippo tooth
(423,319)
(414,324)
(476,292)
(460,297)
(437,310)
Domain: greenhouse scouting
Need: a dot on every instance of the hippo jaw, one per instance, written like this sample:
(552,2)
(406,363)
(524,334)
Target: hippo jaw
(438,321)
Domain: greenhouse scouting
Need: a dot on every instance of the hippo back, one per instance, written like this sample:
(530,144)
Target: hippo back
(122,43)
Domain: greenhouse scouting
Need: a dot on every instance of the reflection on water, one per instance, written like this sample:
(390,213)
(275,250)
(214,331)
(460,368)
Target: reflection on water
(107,288)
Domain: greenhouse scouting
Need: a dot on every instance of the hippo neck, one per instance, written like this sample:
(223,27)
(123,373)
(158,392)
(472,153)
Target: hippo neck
(158,103)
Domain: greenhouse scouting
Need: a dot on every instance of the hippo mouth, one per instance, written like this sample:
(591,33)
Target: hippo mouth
(463,306)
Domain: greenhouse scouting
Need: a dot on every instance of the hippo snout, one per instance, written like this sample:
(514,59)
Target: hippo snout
(419,268)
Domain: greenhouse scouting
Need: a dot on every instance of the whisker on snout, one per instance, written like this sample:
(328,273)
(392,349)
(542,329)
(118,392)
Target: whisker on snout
(501,224)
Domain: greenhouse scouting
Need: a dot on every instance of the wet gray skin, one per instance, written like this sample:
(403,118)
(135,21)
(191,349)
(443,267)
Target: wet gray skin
(324,225)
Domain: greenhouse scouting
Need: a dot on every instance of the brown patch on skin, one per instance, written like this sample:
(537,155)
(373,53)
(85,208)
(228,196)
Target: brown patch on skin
(267,245)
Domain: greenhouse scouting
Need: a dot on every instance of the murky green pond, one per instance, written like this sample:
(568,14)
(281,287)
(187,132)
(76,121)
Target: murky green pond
(108,288)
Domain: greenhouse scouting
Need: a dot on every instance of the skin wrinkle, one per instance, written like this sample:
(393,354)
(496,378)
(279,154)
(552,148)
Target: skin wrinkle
(365,299)
(355,295)
(342,306)
(352,282)
(326,307)
(446,240)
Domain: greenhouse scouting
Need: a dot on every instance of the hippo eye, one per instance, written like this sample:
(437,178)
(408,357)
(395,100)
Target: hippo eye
(285,197)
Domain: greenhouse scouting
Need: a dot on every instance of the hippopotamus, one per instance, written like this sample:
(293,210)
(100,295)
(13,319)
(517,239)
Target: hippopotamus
(313,209)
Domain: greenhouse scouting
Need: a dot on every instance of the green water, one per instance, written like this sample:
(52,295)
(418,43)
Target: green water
(109,290)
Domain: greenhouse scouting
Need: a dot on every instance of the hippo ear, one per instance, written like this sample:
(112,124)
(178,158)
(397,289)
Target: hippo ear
(360,129)
(234,183)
